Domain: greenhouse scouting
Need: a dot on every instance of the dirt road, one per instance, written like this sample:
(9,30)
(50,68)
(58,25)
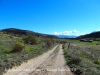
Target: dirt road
(50,63)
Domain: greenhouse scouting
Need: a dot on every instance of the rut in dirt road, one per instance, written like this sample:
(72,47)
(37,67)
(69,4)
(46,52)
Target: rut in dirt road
(54,65)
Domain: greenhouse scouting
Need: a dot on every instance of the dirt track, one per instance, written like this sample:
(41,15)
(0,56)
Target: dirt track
(50,63)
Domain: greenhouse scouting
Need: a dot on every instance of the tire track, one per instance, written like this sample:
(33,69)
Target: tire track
(54,65)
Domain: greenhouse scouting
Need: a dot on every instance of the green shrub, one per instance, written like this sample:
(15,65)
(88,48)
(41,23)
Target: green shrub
(18,47)
(30,39)
(48,42)
(26,40)
(97,62)
(75,60)
(63,46)
(65,52)
(1,42)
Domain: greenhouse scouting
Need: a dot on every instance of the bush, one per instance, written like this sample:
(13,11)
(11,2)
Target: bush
(65,52)
(48,42)
(97,62)
(75,60)
(30,39)
(26,40)
(18,47)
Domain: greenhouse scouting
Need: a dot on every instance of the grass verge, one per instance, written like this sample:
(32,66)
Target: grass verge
(81,61)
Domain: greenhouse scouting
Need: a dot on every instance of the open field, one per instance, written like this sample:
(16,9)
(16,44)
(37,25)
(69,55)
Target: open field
(86,43)
(84,57)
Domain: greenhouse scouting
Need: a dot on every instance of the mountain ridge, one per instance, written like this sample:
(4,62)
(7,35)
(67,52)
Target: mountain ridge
(66,36)
(26,32)
(95,34)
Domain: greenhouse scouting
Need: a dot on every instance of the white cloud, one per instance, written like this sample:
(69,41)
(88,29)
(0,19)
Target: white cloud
(65,32)
(98,30)
(75,31)
(56,33)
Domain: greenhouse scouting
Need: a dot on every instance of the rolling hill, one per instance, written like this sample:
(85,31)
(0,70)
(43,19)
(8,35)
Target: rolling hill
(16,31)
(91,35)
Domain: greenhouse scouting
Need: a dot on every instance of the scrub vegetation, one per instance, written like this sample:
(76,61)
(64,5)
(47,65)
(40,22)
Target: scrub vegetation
(15,49)
(83,58)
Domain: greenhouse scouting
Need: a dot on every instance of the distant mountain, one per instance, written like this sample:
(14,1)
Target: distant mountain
(95,34)
(26,32)
(66,36)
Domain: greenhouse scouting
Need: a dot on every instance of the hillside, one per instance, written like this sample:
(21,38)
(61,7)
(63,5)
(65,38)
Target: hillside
(15,50)
(91,35)
(26,32)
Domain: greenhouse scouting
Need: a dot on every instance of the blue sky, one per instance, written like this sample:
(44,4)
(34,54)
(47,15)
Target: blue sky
(69,17)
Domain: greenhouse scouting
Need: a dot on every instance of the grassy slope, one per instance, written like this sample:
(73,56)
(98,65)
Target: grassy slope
(9,59)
